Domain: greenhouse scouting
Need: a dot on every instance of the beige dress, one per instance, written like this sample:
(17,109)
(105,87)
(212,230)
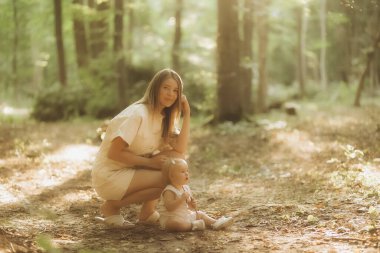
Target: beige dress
(182,212)
(137,127)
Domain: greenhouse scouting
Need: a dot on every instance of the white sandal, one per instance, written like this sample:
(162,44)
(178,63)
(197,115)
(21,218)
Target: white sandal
(222,222)
(151,220)
(115,221)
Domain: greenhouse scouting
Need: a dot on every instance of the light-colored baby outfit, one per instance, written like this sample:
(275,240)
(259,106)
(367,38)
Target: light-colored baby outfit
(181,212)
(143,133)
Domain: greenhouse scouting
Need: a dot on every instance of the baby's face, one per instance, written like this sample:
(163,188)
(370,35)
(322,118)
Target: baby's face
(179,173)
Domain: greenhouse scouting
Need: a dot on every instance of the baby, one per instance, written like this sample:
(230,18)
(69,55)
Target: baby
(178,211)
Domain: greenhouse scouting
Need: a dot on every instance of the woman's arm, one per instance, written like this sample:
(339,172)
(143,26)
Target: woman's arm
(118,152)
(181,144)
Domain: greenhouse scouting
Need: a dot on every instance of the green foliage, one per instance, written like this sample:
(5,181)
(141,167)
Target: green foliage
(200,88)
(355,172)
(102,103)
(44,241)
(350,28)
(60,103)
(336,92)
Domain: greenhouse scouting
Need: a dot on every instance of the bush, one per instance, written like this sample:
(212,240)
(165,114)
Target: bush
(60,103)
(103,103)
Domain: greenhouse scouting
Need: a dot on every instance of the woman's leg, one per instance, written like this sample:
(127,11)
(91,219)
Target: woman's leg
(148,208)
(112,207)
(146,185)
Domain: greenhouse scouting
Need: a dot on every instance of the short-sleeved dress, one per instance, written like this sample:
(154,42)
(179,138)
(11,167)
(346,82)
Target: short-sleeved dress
(181,212)
(143,133)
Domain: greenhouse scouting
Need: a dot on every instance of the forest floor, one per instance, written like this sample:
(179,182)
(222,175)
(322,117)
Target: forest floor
(304,183)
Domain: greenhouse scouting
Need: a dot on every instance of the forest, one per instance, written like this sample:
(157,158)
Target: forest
(285,119)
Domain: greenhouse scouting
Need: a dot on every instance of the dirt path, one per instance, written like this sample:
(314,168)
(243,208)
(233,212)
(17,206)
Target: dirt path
(292,183)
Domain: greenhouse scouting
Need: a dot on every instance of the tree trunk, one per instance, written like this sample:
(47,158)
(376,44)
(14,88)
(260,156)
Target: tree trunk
(177,36)
(247,57)
(377,59)
(98,27)
(301,48)
(59,42)
(346,70)
(262,28)
(15,49)
(322,61)
(118,51)
(370,57)
(375,69)
(373,73)
(131,25)
(80,34)
(228,90)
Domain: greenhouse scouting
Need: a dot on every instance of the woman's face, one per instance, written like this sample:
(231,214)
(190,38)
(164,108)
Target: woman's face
(168,93)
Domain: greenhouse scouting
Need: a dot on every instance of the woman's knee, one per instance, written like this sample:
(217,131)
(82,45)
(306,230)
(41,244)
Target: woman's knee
(147,179)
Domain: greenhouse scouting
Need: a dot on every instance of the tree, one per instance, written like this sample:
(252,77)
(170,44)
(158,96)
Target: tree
(59,42)
(98,27)
(177,36)
(262,29)
(228,90)
(322,61)
(118,50)
(15,47)
(247,56)
(80,33)
(301,47)
(131,25)
(370,57)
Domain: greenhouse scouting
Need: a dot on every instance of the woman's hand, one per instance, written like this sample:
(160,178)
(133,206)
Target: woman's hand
(185,105)
(158,161)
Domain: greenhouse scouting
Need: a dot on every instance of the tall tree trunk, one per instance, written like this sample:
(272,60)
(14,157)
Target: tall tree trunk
(98,27)
(373,73)
(59,42)
(322,61)
(375,63)
(131,26)
(378,52)
(118,50)
(228,90)
(370,57)
(15,49)
(262,29)
(348,43)
(80,33)
(247,57)
(177,36)
(301,48)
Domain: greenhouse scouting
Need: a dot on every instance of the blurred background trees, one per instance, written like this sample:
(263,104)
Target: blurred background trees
(237,57)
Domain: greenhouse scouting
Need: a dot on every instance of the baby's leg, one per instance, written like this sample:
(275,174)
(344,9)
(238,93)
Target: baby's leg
(178,225)
(207,219)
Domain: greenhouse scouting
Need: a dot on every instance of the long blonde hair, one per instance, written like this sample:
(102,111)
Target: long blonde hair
(150,98)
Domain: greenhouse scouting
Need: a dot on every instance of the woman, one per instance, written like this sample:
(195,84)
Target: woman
(125,170)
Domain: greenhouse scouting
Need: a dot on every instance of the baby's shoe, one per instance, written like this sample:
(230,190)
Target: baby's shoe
(198,225)
(222,222)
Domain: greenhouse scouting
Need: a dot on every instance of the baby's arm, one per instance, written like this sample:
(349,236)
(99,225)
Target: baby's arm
(192,203)
(171,202)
